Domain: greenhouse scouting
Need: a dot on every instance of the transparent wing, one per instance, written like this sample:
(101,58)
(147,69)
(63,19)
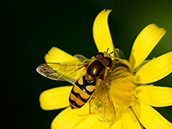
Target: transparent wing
(81,57)
(119,53)
(62,71)
(102,101)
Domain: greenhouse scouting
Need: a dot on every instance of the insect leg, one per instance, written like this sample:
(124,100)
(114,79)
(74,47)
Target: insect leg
(90,107)
(137,118)
(110,126)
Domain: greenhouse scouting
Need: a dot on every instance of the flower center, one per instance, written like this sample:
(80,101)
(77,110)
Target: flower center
(122,86)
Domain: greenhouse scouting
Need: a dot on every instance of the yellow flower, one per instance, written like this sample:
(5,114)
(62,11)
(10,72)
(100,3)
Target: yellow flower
(132,94)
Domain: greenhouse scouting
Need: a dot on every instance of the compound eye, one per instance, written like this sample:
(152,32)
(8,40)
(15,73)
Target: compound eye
(99,56)
(107,61)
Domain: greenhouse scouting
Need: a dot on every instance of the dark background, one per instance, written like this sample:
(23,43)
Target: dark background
(33,27)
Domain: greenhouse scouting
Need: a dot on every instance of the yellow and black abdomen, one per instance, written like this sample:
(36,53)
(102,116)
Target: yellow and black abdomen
(81,92)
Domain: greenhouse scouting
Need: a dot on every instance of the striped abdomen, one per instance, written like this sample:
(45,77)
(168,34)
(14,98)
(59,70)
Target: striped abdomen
(81,92)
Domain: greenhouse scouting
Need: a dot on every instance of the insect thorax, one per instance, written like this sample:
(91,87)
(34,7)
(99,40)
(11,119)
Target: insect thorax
(95,69)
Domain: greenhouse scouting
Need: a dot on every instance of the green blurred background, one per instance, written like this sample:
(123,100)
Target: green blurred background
(33,27)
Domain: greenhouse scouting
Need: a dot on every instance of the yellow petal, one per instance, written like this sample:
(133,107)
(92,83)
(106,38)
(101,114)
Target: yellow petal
(155,96)
(101,32)
(117,124)
(144,43)
(55,98)
(151,119)
(65,72)
(155,69)
(75,119)
(129,121)
(57,55)
(100,123)
(91,121)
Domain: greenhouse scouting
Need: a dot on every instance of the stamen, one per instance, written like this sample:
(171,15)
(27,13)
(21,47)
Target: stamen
(122,85)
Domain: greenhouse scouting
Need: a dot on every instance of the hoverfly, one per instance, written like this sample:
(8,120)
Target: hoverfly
(91,85)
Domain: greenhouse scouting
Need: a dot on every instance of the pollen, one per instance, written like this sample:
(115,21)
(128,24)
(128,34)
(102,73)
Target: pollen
(122,85)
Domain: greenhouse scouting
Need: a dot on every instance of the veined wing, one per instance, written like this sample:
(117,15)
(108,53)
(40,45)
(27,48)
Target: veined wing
(81,58)
(102,101)
(62,71)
